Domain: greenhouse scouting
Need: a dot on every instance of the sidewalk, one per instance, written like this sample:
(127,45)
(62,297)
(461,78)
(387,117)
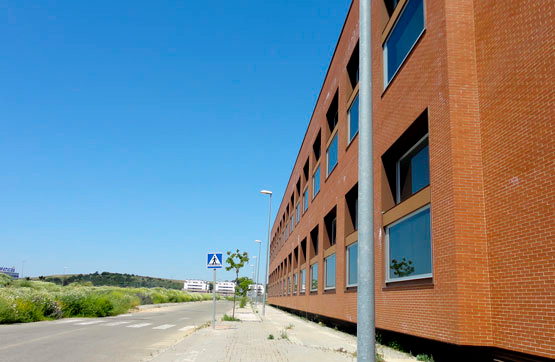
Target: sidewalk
(294,339)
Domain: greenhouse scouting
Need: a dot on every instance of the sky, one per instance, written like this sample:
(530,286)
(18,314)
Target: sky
(136,138)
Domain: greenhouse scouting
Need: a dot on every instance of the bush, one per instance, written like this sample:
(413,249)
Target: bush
(5,280)
(243,302)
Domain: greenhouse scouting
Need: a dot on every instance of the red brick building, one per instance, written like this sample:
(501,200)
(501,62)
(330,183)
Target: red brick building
(464,160)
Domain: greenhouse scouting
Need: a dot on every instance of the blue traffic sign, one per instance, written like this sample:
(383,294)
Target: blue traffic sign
(215,261)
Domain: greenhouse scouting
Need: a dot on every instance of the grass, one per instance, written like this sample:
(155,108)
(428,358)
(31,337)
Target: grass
(29,301)
(227,318)
(243,302)
(270,336)
(284,335)
(290,326)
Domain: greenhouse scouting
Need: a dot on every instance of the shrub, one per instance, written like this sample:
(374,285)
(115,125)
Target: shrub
(270,336)
(243,302)
(228,318)
(425,358)
(5,280)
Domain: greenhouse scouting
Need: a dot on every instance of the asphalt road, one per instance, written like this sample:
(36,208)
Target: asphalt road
(138,336)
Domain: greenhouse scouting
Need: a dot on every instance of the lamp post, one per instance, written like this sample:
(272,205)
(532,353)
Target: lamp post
(266,192)
(259,242)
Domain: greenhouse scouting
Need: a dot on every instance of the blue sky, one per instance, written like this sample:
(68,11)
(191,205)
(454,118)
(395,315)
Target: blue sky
(136,139)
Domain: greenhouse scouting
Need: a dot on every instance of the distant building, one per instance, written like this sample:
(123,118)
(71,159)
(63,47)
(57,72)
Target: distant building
(225,287)
(200,286)
(9,271)
(259,288)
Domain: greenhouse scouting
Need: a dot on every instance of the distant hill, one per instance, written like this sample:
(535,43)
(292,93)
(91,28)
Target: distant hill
(114,279)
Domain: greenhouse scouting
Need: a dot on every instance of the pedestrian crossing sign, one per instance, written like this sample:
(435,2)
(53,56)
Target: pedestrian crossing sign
(215,261)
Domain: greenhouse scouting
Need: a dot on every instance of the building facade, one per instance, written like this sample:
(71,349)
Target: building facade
(200,286)
(225,287)
(464,154)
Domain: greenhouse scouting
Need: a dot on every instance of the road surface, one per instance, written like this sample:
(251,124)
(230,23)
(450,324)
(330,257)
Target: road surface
(137,336)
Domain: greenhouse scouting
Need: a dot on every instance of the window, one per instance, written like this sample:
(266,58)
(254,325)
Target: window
(295,283)
(329,265)
(316,147)
(353,119)
(409,249)
(413,170)
(402,38)
(316,182)
(305,200)
(332,154)
(288,285)
(298,213)
(314,240)
(292,223)
(330,222)
(352,67)
(352,262)
(303,280)
(391,5)
(351,216)
(333,113)
(314,277)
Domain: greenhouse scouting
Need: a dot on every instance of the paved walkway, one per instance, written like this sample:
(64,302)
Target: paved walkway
(294,339)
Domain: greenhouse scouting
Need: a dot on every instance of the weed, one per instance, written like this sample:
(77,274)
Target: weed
(425,358)
(395,345)
(270,336)
(289,326)
(379,358)
(243,302)
(284,335)
(227,318)
(379,338)
(204,325)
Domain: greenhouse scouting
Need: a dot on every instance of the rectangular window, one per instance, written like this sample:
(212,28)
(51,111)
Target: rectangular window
(314,277)
(329,265)
(298,214)
(303,280)
(402,38)
(409,247)
(352,262)
(413,170)
(305,200)
(332,154)
(292,223)
(353,119)
(316,182)
(295,283)
(288,285)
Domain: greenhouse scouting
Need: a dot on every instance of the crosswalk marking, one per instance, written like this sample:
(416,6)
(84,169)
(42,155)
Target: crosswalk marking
(164,326)
(116,324)
(87,323)
(140,325)
(186,328)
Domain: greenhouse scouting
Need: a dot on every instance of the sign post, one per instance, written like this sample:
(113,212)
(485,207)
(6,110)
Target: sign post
(215,261)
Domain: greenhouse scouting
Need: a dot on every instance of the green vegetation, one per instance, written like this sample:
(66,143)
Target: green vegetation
(290,326)
(284,335)
(243,285)
(227,318)
(30,301)
(396,346)
(114,279)
(243,302)
(235,261)
(270,336)
(425,358)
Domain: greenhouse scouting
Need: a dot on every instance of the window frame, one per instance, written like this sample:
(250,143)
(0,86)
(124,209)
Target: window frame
(312,278)
(298,212)
(349,138)
(295,283)
(334,138)
(347,263)
(326,259)
(387,247)
(302,289)
(305,199)
(398,168)
(384,51)
(316,191)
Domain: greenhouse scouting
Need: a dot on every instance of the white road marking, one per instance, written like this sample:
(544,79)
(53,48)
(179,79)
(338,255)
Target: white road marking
(116,324)
(87,323)
(71,320)
(125,315)
(164,326)
(182,319)
(186,328)
(140,325)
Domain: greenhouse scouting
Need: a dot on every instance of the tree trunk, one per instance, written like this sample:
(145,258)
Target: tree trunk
(235,294)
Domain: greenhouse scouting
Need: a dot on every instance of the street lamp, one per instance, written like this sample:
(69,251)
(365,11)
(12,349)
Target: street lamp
(266,192)
(259,242)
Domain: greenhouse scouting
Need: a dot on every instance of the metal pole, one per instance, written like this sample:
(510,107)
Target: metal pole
(257,274)
(267,261)
(214,302)
(366,345)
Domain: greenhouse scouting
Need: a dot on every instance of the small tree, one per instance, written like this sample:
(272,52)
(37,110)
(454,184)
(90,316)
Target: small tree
(236,261)
(243,284)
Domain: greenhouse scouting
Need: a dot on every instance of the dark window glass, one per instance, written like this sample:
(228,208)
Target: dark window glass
(316,182)
(353,119)
(402,38)
(410,250)
(352,262)
(330,271)
(332,154)
(413,170)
